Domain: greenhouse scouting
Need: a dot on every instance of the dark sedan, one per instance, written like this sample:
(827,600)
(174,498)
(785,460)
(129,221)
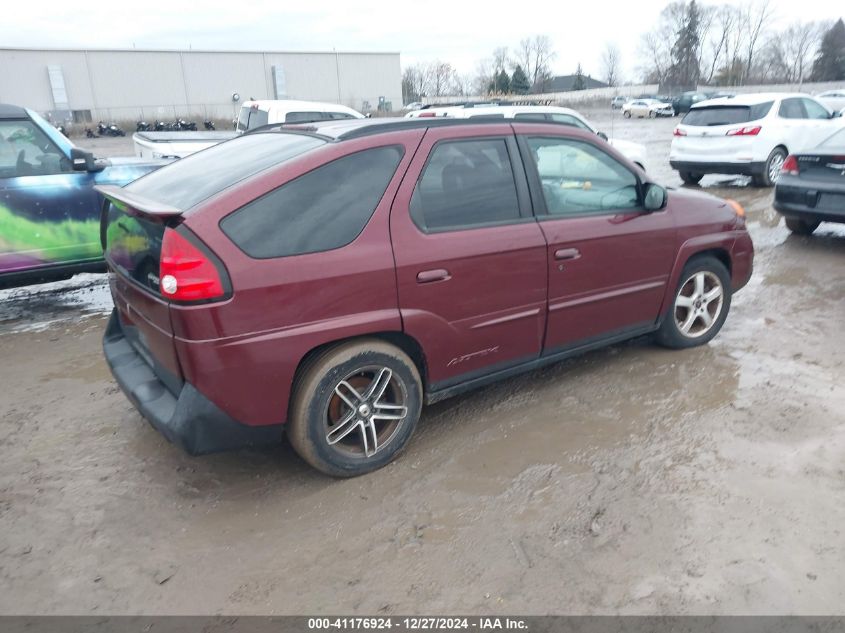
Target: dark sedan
(811,187)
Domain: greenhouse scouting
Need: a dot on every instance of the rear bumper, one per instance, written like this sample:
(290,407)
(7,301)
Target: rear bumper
(187,419)
(796,199)
(705,167)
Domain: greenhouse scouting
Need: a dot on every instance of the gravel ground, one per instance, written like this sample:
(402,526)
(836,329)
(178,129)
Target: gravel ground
(631,480)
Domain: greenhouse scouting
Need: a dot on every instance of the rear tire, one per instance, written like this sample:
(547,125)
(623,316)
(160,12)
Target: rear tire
(690,178)
(354,408)
(627,114)
(771,169)
(802,227)
(700,305)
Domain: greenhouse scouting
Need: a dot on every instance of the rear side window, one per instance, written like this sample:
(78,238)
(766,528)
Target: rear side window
(726,115)
(792,109)
(465,184)
(531,116)
(324,209)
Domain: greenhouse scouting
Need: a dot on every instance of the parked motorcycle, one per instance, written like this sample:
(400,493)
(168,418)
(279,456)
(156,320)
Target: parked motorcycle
(209,125)
(109,129)
(61,129)
(163,126)
(89,133)
(181,125)
(142,126)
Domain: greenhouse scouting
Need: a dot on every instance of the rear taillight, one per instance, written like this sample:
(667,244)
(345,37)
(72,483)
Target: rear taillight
(790,166)
(678,132)
(744,131)
(186,273)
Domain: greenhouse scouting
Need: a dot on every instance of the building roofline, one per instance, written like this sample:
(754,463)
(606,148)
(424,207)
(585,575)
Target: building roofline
(70,49)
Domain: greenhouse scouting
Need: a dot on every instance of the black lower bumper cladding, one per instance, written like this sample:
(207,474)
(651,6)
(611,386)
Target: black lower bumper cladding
(187,419)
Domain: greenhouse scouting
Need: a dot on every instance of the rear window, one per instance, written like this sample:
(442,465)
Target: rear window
(257,118)
(199,176)
(726,115)
(322,210)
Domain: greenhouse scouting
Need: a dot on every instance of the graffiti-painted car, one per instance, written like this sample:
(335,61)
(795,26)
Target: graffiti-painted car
(49,211)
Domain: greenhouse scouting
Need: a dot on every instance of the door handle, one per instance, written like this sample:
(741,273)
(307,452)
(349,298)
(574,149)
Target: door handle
(567,253)
(429,276)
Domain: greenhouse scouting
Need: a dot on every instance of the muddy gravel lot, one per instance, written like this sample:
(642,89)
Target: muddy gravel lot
(631,480)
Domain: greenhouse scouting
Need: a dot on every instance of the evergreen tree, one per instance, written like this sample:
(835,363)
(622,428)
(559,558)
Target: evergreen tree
(830,60)
(503,82)
(579,83)
(519,81)
(685,70)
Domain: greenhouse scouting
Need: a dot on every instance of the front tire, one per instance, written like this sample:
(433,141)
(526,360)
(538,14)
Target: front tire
(355,406)
(690,178)
(771,169)
(802,227)
(700,305)
(652,114)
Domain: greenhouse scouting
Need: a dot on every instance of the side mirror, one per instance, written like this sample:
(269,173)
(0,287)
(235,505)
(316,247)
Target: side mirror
(84,161)
(602,135)
(655,197)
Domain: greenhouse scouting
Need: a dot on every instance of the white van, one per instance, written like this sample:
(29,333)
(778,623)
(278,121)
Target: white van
(254,114)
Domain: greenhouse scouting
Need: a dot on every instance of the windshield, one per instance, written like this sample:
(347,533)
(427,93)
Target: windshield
(836,141)
(199,176)
(726,115)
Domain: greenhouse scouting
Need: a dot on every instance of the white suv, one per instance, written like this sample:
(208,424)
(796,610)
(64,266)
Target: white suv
(634,152)
(748,134)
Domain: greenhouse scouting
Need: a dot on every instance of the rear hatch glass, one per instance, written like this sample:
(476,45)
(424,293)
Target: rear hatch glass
(187,182)
(726,114)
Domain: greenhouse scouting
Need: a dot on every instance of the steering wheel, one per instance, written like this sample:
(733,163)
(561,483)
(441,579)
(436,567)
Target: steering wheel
(22,168)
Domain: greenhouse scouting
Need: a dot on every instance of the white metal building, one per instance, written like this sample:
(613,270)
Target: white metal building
(125,84)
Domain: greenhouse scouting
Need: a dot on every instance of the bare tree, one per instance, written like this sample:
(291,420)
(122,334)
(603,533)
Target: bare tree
(483,77)
(535,55)
(441,78)
(415,82)
(722,23)
(610,62)
(758,13)
(501,61)
(788,55)
(656,45)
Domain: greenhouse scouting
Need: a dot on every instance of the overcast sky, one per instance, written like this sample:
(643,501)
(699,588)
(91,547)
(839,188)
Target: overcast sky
(456,31)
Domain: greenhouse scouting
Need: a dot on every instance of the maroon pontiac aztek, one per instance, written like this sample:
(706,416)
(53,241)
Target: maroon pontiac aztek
(328,280)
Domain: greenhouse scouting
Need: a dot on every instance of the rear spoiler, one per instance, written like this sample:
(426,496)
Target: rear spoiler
(123,198)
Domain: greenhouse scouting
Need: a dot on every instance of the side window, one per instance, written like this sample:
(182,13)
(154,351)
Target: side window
(26,151)
(324,209)
(815,110)
(579,178)
(569,120)
(792,109)
(305,117)
(465,184)
(531,116)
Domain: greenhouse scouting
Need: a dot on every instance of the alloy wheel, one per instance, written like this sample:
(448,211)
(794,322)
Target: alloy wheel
(365,411)
(699,304)
(775,165)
